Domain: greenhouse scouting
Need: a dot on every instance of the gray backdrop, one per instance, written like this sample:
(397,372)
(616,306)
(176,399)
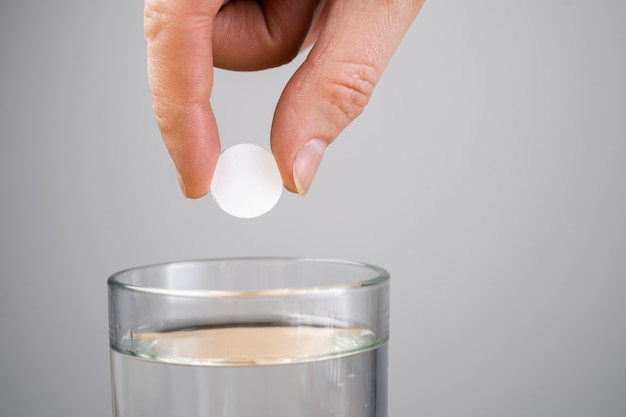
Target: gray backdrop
(487,174)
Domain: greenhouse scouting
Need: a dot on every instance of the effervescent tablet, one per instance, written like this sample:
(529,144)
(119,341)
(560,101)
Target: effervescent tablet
(246,182)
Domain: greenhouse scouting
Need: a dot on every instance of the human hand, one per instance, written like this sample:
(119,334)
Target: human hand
(353,41)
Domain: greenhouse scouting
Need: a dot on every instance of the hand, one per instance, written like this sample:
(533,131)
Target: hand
(353,40)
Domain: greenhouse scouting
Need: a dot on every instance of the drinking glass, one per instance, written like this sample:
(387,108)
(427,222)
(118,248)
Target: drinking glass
(250,337)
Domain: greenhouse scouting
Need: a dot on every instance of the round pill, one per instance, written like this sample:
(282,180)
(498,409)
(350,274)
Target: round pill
(246,182)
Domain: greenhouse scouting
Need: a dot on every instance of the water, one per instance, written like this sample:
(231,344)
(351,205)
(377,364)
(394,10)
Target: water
(251,371)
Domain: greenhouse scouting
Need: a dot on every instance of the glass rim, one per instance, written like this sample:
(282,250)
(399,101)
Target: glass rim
(382,275)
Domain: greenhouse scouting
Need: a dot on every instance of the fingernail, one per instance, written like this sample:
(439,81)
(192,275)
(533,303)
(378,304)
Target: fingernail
(306,163)
(181,183)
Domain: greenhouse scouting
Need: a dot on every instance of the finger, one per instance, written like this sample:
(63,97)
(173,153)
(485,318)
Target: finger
(180,72)
(254,35)
(335,83)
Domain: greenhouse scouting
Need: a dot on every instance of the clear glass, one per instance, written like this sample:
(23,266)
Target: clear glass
(250,337)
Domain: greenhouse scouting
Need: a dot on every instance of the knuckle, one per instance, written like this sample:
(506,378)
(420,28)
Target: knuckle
(176,119)
(155,17)
(351,89)
(168,116)
(165,15)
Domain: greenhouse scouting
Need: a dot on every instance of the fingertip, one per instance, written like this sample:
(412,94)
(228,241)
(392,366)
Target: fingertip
(192,191)
(194,149)
(195,170)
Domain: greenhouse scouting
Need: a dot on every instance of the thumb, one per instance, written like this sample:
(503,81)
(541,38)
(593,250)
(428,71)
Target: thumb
(335,83)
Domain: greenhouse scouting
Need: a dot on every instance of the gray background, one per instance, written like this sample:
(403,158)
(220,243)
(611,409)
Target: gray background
(487,174)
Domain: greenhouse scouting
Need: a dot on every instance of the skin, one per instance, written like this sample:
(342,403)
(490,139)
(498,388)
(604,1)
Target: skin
(352,43)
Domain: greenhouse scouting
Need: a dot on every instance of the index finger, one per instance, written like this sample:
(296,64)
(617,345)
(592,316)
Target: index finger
(180,73)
